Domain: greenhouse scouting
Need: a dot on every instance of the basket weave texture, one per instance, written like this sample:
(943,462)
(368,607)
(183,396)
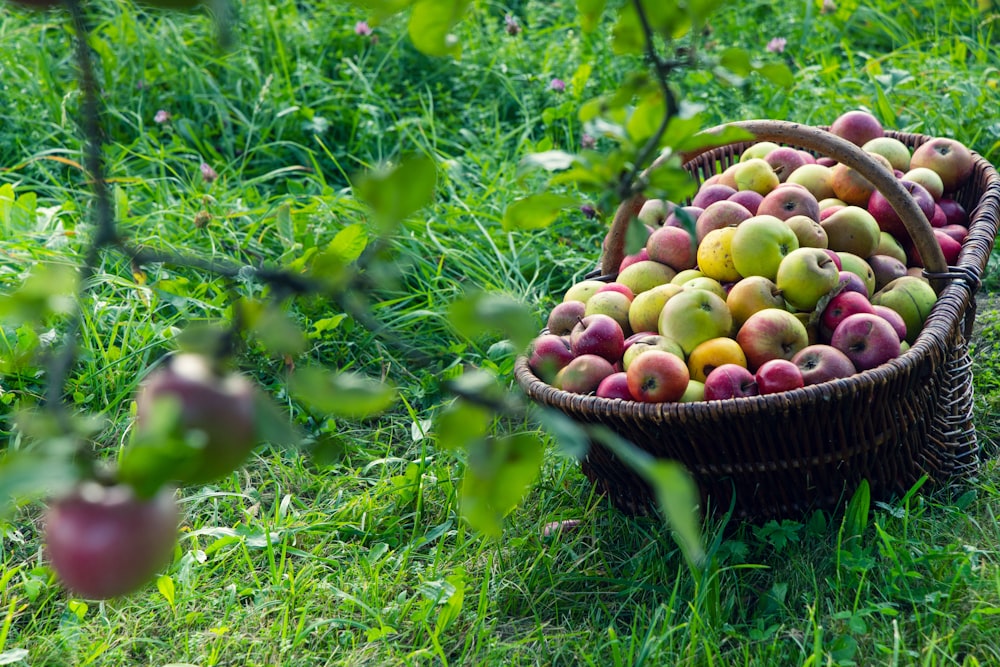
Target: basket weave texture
(782,455)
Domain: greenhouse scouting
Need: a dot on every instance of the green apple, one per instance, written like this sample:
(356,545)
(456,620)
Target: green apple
(805,276)
(750,295)
(757,150)
(583,290)
(644,275)
(644,344)
(892,149)
(704,282)
(654,211)
(816,178)
(644,313)
(613,304)
(686,275)
(859,267)
(809,232)
(928,178)
(694,316)
(890,245)
(755,174)
(911,297)
(852,229)
(695,392)
(759,245)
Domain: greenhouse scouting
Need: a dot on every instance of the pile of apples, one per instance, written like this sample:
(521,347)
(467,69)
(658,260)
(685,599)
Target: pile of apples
(799,272)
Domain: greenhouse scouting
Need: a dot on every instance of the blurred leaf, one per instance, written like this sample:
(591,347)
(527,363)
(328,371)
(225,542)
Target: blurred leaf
(590,12)
(728,135)
(636,235)
(571,438)
(49,289)
(431,25)
(673,180)
(382,9)
(326,449)
(27,474)
(498,473)
(484,313)
(273,328)
(536,211)
(341,394)
(645,119)
(480,383)
(547,160)
(12,655)
(777,73)
(399,191)
(274,426)
(736,60)
(460,423)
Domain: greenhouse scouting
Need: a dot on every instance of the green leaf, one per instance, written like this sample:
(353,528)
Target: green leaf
(482,313)
(590,12)
(536,211)
(777,73)
(273,425)
(382,9)
(273,328)
(431,25)
(571,439)
(728,135)
(286,229)
(165,584)
(548,160)
(48,290)
(398,191)
(451,607)
(636,235)
(498,473)
(646,118)
(26,474)
(461,423)
(341,394)
(349,243)
(736,60)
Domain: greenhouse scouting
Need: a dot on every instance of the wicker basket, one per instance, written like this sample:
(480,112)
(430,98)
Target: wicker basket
(782,455)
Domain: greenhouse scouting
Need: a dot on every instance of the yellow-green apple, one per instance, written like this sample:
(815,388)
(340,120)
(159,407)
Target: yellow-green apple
(954,212)
(890,245)
(867,339)
(751,294)
(654,211)
(808,231)
(583,374)
(830,202)
(778,375)
(771,334)
(840,307)
(615,386)
(657,377)
(757,150)
(642,276)
(748,199)
(850,186)
(852,229)
(719,215)
(729,381)
(859,267)
(857,126)
(613,304)
(713,353)
(892,149)
(787,200)
(598,334)
(105,542)
(583,290)
(822,363)
(760,244)
(629,260)
(805,276)
(704,282)
(755,174)
(686,275)
(672,246)
(816,178)
(887,218)
(695,392)
(715,257)
(709,194)
(549,355)
(928,178)
(644,313)
(886,269)
(784,160)
(952,161)
(644,344)
(694,316)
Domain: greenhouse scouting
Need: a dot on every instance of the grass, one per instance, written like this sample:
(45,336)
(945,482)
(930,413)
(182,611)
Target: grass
(361,557)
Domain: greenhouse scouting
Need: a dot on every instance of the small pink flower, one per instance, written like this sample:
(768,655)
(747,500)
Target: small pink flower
(362,28)
(162,116)
(557,85)
(588,142)
(588,211)
(208,173)
(511,25)
(777,45)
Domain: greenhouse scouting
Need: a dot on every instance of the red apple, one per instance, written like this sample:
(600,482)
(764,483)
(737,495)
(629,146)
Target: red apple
(615,386)
(939,219)
(887,218)
(821,363)
(748,199)
(789,200)
(672,246)
(771,334)
(858,127)
(709,194)
(778,375)
(952,161)
(684,217)
(949,246)
(729,381)
(598,334)
(629,260)
(549,355)
(867,339)
(852,282)
(841,307)
(784,160)
(954,212)
(564,316)
(657,377)
(893,318)
(583,374)
(617,287)
(718,215)
(957,232)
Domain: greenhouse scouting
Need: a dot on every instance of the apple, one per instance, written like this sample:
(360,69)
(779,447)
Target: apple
(685,217)
(859,267)
(788,200)
(104,542)
(890,245)
(850,186)
(657,377)
(886,216)
(807,157)
(549,355)
(613,304)
(851,282)
(672,246)
(808,231)
(694,316)
(778,375)
(642,276)
(867,339)
(758,150)
(950,247)
(615,386)
(842,306)
(939,219)
(729,381)
(695,392)
(212,413)
(784,160)
(952,161)
(713,353)
(654,211)
(709,194)
(858,127)
(816,178)
(954,212)
(599,335)
(928,178)
(718,215)
(822,363)
(685,276)
(564,316)
(759,244)
(755,174)
(805,276)
(892,149)
(726,177)
(771,334)
(644,313)
(583,290)
(644,344)
(617,287)
(852,229)
(911,297)
(835,256)
(886,269)
(629,260)
(893,318)
(715,257)
(583,374)
(751,294)
(710,284)
(748,199)
(957,232)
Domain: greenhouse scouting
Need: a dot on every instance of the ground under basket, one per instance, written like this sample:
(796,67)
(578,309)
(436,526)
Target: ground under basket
(782,455)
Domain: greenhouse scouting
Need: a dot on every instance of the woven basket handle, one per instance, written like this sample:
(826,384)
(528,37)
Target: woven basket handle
(819,141)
